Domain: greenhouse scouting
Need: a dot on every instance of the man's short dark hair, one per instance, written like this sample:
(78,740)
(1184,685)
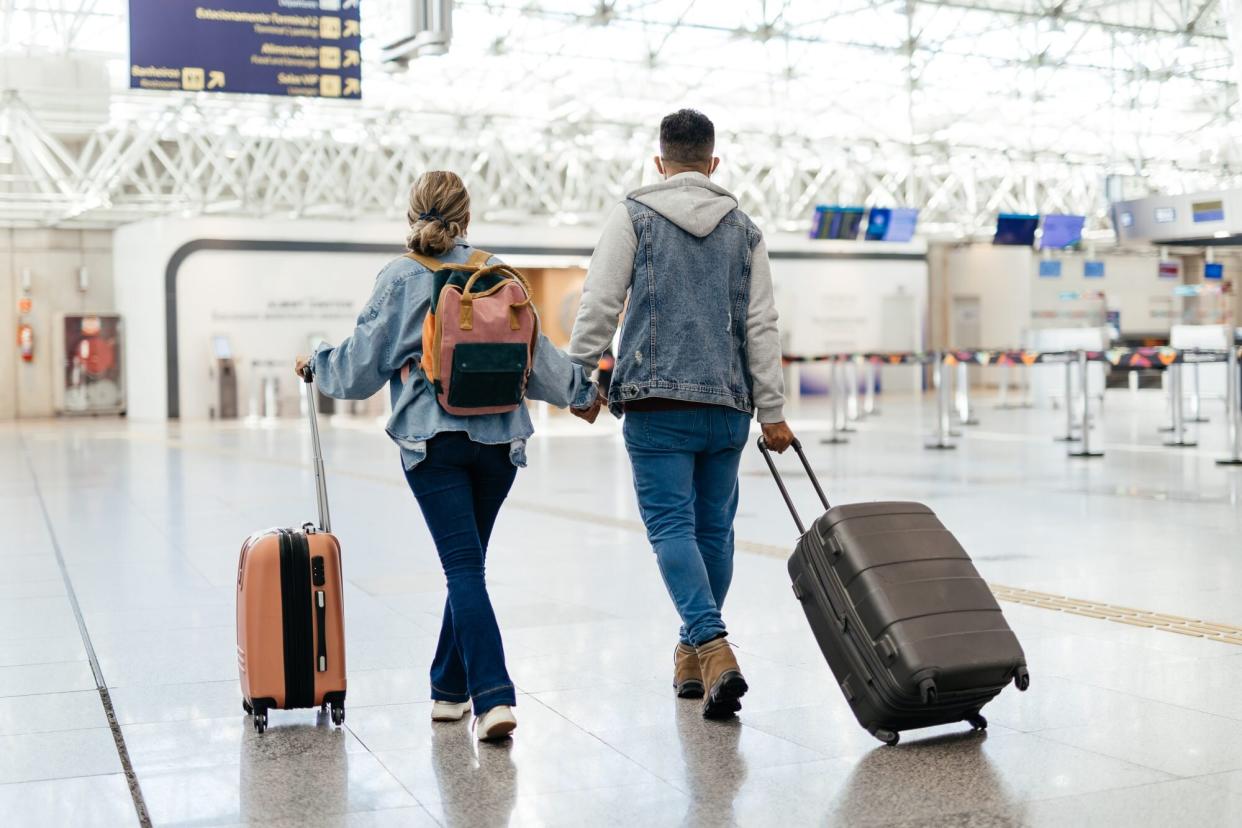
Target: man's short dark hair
(687,137)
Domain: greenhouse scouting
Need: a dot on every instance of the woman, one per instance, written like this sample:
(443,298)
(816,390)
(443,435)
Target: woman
(459,468)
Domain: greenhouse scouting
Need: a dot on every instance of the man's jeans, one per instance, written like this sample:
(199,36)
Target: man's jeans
(460,487)
(685,473)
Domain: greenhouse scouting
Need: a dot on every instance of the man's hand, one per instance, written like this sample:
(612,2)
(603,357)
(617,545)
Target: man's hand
(300,365)
(592,411)
(777,436)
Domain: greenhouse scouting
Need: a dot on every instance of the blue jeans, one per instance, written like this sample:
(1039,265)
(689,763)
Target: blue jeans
(685,473)
(460,487)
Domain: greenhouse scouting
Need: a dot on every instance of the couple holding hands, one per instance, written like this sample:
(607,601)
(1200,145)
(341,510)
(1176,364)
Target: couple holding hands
(699,356)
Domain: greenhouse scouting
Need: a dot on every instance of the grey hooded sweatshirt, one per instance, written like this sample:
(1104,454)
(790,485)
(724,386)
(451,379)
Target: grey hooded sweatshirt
(695,204)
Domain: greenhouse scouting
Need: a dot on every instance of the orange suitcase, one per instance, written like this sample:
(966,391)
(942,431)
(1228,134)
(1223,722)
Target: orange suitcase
(290,620)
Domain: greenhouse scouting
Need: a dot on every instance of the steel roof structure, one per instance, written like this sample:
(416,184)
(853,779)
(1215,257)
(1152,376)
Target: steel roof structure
(550,107)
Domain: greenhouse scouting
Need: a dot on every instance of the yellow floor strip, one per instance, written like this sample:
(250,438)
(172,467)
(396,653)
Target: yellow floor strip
(1224,633)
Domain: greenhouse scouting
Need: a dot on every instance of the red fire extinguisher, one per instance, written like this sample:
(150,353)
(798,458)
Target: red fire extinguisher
(25,342)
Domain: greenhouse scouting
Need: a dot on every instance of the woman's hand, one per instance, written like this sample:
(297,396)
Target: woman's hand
(300,365)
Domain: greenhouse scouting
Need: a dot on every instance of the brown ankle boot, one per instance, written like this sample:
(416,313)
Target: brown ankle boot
(722,678)
(687,677)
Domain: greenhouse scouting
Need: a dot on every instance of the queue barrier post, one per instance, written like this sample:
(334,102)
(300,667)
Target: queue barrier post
(940,378)
(1172,401)
(965,415)
(1069,436)
(1179,425)
(1196,398)
(1003,398)
(1232,405)
(872,374)
(1085,451)
(849,395)
(837,393)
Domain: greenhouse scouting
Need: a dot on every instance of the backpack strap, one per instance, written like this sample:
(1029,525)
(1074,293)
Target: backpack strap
(478,258)
(426,261)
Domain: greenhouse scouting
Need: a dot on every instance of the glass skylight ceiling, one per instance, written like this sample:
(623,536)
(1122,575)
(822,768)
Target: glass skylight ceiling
(1131,87)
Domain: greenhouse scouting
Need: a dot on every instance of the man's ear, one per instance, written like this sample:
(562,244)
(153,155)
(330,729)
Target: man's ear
(712,167)
(659,162)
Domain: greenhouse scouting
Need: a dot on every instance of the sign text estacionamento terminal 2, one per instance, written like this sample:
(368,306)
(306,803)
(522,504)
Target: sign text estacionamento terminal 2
(247,46)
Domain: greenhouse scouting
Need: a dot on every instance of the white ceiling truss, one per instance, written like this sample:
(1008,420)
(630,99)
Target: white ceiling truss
(549,107)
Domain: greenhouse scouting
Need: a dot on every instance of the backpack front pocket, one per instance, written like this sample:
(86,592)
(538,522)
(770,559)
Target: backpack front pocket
(488,374)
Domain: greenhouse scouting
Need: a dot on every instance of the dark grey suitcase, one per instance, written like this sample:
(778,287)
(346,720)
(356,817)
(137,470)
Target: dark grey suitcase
(911,631)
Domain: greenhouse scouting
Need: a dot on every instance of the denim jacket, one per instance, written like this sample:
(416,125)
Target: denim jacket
(701,322)
(389,334)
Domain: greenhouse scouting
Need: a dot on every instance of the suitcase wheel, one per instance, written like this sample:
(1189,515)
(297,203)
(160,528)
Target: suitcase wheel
(260,722)
(1022,678)
(888,737)
(338,715)
(977,721)
(246,706)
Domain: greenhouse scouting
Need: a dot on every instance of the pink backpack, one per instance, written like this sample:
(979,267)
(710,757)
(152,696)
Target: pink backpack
(478,336)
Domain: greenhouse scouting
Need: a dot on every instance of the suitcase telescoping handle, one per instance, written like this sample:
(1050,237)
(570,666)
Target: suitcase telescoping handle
(321,485)
(780,484)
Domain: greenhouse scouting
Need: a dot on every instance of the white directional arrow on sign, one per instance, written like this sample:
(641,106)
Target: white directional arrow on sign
(215,79)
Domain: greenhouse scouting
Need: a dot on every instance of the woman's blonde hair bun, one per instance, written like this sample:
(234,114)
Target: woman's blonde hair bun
(438,214)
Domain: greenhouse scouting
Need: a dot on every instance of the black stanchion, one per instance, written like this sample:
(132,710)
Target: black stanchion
(1069,436)
(941,441)
(837,390)
(1179,427)
(1232,405)
(1196,398)
(872,373)
(1085,451)
(965,413)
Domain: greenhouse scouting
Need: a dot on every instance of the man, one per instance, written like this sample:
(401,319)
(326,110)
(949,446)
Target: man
(699,353)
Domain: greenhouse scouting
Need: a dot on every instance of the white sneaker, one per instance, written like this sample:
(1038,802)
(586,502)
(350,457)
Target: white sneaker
(444,711)
(496,724)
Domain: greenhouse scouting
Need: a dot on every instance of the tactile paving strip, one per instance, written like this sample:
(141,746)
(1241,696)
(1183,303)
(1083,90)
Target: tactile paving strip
(1194,627)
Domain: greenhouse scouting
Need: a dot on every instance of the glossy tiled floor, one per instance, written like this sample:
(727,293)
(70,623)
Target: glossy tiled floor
(1122,726)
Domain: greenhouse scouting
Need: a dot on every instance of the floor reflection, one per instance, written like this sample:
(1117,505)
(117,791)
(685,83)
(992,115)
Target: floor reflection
(296,771)
(943,774)
(477,782)
(715,767)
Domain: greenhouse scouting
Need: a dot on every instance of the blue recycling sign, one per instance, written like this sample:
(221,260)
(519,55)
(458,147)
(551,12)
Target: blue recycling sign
(306,48)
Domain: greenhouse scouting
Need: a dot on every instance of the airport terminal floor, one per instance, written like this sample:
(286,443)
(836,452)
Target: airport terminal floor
(120,546)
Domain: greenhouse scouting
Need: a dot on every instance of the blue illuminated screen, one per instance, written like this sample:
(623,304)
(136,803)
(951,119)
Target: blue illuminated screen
(1016,228)
(1061,231)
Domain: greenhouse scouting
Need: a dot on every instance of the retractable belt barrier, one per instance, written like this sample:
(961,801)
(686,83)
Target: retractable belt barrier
(845,399)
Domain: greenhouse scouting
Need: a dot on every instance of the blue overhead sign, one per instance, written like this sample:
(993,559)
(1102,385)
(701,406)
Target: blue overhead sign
(306,48)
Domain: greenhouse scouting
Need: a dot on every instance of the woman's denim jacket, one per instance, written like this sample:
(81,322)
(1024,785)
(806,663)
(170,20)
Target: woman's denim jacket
(390,334)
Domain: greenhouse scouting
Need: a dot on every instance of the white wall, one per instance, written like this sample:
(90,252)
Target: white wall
(825,304)
(216,288)
(838,305)
(53,258)
(1131,284)
(1000,276)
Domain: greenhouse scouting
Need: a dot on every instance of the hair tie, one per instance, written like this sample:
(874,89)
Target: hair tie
(433,215)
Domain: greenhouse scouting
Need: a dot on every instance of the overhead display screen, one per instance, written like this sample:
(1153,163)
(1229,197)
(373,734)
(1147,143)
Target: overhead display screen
(832,222)
(1016,228)
(894,224)
(1061,231)
(305,48)
(1203,211)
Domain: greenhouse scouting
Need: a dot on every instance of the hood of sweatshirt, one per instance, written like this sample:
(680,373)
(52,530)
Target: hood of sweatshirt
(690,200)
